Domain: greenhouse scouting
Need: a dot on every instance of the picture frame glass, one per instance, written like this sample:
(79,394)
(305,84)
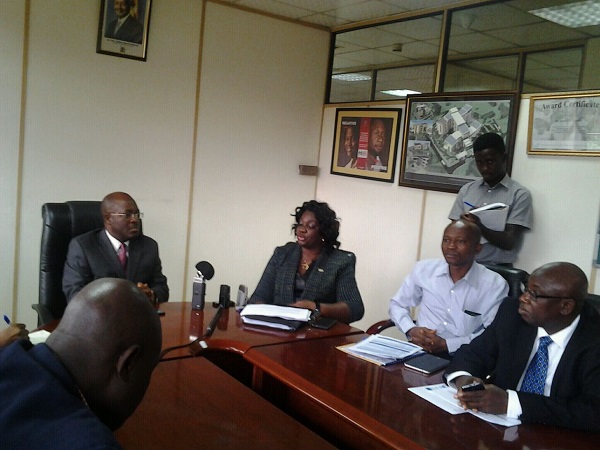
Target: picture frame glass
(123,28)
(564,125)
(365,143)
(439,132)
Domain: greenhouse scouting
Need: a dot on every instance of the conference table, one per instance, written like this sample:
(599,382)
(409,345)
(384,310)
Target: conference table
(297,390)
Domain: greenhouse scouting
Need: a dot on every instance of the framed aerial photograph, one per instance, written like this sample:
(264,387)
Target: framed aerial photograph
(123,28)
(439,131)
(365,143)
(566,125)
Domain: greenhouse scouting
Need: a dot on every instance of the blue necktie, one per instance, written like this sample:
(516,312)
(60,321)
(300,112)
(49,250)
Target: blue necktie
(535,376)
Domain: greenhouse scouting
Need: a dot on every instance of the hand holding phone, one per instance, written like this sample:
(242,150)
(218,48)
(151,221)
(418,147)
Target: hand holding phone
(475,386)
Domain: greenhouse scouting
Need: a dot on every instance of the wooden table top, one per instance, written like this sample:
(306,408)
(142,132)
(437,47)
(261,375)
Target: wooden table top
(191,403)
(182,325)
(376,400)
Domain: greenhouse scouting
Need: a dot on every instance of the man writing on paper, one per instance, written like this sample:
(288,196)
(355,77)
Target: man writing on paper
(542,353)
(495,186)
(457,297)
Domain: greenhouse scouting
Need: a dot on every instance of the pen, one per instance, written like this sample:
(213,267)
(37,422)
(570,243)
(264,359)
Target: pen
(468,204)
(6,319)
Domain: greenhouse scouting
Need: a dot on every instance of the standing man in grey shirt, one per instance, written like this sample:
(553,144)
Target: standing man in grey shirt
(495,186)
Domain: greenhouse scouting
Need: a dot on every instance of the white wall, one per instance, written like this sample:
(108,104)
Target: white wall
(261,97)
(95,123)
(382,221)
(12,22)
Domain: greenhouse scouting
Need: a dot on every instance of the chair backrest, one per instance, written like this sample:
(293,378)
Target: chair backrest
(514,277)
(594,300)
(61,223)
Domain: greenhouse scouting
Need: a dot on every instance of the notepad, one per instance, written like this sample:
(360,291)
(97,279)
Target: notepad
(427,363)
(492,216)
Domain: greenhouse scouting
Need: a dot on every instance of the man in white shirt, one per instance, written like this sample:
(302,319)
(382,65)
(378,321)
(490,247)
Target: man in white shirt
(567,393)
(457,297)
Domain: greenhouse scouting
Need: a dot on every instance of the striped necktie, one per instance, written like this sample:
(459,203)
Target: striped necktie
(122,254)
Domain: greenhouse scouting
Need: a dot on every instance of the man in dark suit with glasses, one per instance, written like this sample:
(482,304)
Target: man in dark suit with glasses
(119,250)
(541,354)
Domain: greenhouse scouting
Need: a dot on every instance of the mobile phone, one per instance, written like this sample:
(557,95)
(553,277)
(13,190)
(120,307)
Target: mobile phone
(323,323)
(476,386)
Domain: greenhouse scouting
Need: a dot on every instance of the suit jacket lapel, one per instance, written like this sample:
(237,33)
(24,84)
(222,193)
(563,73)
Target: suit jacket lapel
(315,280)
(109,253)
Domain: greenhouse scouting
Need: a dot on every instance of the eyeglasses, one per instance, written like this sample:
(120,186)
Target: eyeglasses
(129,216)
(531,296)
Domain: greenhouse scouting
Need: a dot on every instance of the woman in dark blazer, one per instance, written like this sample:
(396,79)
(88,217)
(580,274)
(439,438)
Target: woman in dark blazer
(312,272)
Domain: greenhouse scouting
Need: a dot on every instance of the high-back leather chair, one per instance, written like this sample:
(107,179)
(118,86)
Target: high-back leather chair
(61,223)
(515,278)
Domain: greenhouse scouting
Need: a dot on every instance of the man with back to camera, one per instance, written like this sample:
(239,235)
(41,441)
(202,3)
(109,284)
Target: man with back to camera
(124,27)
(495,186)
(118,250)
(458,297)
(550,322)
(89,376)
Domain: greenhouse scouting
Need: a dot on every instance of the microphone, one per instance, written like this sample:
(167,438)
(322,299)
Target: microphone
(223,304)
(242,297)
(205,269)
(205,272)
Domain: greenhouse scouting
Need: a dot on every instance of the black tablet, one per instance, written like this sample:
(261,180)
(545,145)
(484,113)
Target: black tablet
(427,363)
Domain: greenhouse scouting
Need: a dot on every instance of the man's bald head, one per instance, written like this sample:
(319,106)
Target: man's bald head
(110,340)
(554,297)
(563,279)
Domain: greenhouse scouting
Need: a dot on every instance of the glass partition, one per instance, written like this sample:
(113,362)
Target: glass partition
(524,45)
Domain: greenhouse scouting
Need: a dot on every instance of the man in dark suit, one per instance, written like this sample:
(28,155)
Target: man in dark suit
(118,250)
(568,392)
(124,27)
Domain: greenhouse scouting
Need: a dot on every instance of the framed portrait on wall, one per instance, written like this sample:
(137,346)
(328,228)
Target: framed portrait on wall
(439,131)
(365,143)
(123,28)
(565,125)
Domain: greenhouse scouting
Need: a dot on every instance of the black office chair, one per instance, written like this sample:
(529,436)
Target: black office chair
(594,300)
(61,223)
(515,278)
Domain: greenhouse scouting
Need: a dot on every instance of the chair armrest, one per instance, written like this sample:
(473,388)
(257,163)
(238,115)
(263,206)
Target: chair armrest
(44,314)
(378,327)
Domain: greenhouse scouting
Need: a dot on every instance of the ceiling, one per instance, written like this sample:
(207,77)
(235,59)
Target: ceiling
(490,29)
(336,13)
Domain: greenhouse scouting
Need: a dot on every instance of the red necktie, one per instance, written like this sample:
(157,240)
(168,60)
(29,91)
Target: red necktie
(122,254)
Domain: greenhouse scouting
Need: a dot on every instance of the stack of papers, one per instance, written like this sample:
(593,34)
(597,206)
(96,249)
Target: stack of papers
(442,396)
(382,350)
(281,317)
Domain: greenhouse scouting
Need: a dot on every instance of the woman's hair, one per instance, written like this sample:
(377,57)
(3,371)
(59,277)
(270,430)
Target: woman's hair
(329,225)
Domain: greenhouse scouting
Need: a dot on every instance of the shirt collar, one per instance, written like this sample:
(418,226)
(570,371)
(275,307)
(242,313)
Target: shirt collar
(114,241)
(562,337)
(503,182)
(471,277)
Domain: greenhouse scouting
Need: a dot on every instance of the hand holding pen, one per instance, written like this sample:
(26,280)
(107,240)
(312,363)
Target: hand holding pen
(14,332)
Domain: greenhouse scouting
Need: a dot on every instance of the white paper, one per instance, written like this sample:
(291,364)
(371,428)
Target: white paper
(442,396)
(263,323)
(38,337)
(284,312)
(386,347)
